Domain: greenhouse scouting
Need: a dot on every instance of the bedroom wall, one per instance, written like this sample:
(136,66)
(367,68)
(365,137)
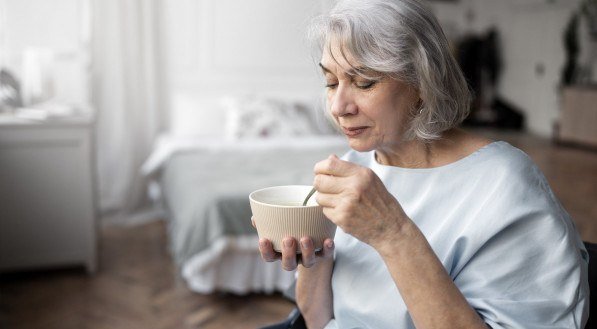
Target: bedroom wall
(531,32)
(227,47)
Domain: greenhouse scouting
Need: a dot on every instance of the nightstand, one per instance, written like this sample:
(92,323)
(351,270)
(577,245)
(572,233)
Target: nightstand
(47,194)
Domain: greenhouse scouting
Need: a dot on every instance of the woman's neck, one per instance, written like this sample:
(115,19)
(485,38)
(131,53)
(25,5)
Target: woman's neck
(452,146)
(411,154)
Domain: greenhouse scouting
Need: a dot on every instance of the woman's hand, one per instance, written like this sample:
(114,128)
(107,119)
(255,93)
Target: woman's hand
(356,200)
(290,259)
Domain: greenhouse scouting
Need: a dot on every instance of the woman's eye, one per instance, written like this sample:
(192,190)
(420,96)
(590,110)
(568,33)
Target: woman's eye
(364,84)
(331,85)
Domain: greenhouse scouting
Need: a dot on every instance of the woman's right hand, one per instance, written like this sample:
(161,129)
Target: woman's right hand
(288,256)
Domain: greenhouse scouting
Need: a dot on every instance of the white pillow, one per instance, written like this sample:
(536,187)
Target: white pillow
(192,115)
(258,116)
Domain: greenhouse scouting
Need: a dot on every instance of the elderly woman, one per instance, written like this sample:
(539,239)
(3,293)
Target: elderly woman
(437,228)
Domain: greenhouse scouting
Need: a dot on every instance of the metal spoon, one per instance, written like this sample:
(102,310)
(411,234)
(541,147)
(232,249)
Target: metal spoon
(308,196)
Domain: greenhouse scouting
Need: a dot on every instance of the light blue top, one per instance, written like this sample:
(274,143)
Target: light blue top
(497,228)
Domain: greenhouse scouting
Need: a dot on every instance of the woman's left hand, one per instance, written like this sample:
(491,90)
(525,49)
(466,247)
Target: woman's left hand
(355,199)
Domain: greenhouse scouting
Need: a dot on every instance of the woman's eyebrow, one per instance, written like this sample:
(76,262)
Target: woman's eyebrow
(352,72)
(356,71)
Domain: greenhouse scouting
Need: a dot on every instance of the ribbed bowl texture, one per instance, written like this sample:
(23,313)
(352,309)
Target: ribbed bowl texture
(278,212)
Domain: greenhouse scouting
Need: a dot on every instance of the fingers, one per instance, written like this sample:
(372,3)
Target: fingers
(329,184)
(289,257)
(335,167)
(328,249)
(310,256)
(326,200)
(307,252)
(267,251)
(289,254)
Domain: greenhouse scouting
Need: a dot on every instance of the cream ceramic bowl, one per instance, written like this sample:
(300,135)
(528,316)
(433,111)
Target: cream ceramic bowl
(278,212)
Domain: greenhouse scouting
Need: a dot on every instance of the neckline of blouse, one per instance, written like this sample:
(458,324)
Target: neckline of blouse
(460,162)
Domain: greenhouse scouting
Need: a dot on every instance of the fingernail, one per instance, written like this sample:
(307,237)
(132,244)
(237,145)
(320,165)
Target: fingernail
(330,245)
(288,243)
(304,244)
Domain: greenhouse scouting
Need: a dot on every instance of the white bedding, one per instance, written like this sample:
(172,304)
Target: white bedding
(205,183)
(166,145)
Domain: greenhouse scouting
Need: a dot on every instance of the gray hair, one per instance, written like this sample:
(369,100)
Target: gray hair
(403,40)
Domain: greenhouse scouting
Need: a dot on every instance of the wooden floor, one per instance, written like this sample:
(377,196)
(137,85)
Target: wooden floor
(138,286)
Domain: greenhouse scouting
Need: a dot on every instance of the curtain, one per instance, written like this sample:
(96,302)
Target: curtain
(128,97)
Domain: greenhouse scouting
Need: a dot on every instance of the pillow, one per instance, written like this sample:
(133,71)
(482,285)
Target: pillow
(264,117)
(195,115)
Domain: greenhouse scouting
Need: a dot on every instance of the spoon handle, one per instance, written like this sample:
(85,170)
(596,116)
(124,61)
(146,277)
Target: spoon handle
(308,196)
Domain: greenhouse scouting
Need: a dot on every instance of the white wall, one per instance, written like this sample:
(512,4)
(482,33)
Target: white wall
(240,45)
(531,33)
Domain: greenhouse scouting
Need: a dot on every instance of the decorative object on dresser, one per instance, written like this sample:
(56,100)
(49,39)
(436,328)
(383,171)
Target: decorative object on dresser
(47,212)
(10,91)
(578,116)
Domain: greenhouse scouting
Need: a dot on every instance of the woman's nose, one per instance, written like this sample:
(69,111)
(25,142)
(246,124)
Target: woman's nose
(342,102)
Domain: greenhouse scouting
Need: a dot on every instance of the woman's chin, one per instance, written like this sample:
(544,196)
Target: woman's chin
(359,145)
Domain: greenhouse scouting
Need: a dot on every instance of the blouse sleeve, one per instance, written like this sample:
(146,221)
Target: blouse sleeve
(530,268)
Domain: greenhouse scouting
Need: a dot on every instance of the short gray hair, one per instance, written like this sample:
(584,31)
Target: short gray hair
(403,40)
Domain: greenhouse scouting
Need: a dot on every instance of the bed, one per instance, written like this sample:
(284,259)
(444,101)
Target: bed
(203,184)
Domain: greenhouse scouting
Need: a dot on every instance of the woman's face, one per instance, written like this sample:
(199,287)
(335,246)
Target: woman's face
(372,113)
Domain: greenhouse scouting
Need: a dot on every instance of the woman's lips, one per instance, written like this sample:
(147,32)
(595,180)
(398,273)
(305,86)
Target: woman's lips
(353,131)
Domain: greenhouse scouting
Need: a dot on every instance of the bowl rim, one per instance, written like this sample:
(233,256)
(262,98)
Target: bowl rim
(282,206)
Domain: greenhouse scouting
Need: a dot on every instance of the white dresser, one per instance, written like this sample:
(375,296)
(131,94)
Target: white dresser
(47,194)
